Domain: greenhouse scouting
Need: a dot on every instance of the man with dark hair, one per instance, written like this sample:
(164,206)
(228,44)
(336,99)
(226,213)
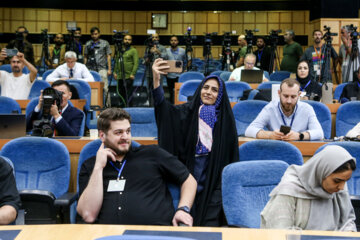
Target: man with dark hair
(351,91)
(22,44)
(97,57)
(17,85)
(76,45)
(131,63)
(315,56)
(291,53)
(287,111)
(263,55)
(123,184)
(67,120)
(9,196)
(174,53)
(56,52)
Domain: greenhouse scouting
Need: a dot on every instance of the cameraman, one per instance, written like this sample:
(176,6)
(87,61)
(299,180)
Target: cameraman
(22,44)
(315,56)
(66,121)
(97,56)
(16,85)
(56,52)
(174,53)
(242,50)
(347,66)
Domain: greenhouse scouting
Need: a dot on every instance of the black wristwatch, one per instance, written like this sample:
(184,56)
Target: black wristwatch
(184,208)
(301,136)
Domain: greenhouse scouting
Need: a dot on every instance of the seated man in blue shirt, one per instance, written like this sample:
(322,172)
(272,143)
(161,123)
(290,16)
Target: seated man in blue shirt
(66,120)
(287,111)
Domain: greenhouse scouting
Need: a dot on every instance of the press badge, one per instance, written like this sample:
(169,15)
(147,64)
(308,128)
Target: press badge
(56,61)
(258,64)
(317,69)
(116,185)
(302,94)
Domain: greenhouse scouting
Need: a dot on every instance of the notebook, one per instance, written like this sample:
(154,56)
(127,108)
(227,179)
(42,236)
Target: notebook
(251,76)
(12,125)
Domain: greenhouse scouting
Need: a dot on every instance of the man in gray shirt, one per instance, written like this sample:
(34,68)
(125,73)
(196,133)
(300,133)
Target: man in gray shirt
(97,56)
(288,111)
(174,53)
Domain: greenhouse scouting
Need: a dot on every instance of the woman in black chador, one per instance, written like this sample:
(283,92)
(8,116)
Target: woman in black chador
(202,134)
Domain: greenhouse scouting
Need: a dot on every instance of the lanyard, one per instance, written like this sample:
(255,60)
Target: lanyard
(94,44)
(318,54)
(79,47)
(56,51)
(358,84)
(282,115)
(260,55)
(305,86)
(117,169)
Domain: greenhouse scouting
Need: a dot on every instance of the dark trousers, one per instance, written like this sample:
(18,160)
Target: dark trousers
(171,85)
(128,85)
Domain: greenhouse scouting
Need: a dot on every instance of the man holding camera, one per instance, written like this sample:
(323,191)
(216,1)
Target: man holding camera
(291,53)
(71,70)
(97,56)
(66,120)
(286,119)
(16,85)
(174,53)
(22,44)
(315,56)
(56,52)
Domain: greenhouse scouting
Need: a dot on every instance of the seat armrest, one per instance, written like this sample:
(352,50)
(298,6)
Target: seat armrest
(66,199)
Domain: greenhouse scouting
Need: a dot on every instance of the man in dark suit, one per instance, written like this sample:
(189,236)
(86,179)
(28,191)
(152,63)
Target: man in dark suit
(66,120)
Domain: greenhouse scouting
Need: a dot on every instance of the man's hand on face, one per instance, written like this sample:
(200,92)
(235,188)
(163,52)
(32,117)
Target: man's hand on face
(20,55)
(102,156)
(54,111)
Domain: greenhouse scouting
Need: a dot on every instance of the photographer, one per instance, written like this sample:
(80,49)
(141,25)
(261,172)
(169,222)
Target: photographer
(174,53)
(71,70)
(97,56)
(347,65)
(315,55)
(16,85)
(22,44)
(56,52)
(351,91)
(66,120)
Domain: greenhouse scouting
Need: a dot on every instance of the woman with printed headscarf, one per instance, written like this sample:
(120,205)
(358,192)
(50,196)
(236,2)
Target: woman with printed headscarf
(202,134)
(314,196)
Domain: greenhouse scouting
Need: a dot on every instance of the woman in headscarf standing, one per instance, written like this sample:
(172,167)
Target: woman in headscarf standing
(311,90)
(202,134)
(314,196)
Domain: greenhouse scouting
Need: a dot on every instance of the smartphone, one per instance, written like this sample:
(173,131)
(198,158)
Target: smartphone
(11,52)
(285,129)
(176,66)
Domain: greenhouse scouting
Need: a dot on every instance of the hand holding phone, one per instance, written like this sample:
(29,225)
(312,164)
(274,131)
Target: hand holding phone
(176,66)
(285,129)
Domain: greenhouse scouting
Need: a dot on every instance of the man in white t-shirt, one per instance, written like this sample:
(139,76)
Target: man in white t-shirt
(70,70)
(16,85)
(249,63)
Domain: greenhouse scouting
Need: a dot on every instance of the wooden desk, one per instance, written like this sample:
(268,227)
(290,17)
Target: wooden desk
(78,103)
(93,231)
(74,147)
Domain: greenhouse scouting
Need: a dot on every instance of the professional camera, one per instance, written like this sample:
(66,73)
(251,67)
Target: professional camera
(328,34)
(188,37)
(118,37)
(354,35)
(207,44)
(42,127)
(249,37)
(274,36)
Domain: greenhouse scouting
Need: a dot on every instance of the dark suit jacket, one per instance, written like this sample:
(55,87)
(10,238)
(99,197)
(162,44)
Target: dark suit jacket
(69,125)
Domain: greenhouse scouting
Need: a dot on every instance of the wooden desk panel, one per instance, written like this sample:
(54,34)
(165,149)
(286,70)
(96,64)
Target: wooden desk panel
(93,231)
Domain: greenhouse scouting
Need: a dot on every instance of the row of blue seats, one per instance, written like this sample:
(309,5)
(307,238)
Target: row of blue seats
(245,185)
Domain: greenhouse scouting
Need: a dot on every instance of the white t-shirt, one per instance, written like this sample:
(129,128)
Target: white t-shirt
(15,87)
(236,74)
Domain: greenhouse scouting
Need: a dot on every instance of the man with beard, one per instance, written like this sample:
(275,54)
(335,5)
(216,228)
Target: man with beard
(153,52)
(56,52)
(97,57)
(315,55)
(174,53)
(76,45)
(22,44)
(17,85)
(123,184)
(287,111)
(131,63)
(291,53)
(263,55)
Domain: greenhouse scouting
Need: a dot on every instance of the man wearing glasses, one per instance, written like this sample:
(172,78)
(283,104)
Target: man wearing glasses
(249,64)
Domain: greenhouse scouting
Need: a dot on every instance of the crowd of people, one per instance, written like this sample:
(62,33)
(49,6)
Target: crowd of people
(124,184)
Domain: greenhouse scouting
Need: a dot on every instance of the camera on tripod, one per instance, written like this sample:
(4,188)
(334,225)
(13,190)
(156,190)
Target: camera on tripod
(118,37)
(42,127)
(249,37)
(208,38)
(353,33)
(328,34)
(188,37)
(274,36)
(227,39)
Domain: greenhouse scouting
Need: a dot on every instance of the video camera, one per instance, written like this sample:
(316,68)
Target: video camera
(208,38)
(328,34)
(188,37)
(118,37)
(274,36)
(42,127)
(249,37)
(227,39)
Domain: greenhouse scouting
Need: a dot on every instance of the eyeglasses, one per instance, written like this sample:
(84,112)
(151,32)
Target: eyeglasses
(250,64)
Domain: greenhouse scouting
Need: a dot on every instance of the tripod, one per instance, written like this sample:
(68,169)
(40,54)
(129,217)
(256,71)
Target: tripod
(44,52)
(189,56)
(119,68)
(274,56)
(207,56)
(354,60)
